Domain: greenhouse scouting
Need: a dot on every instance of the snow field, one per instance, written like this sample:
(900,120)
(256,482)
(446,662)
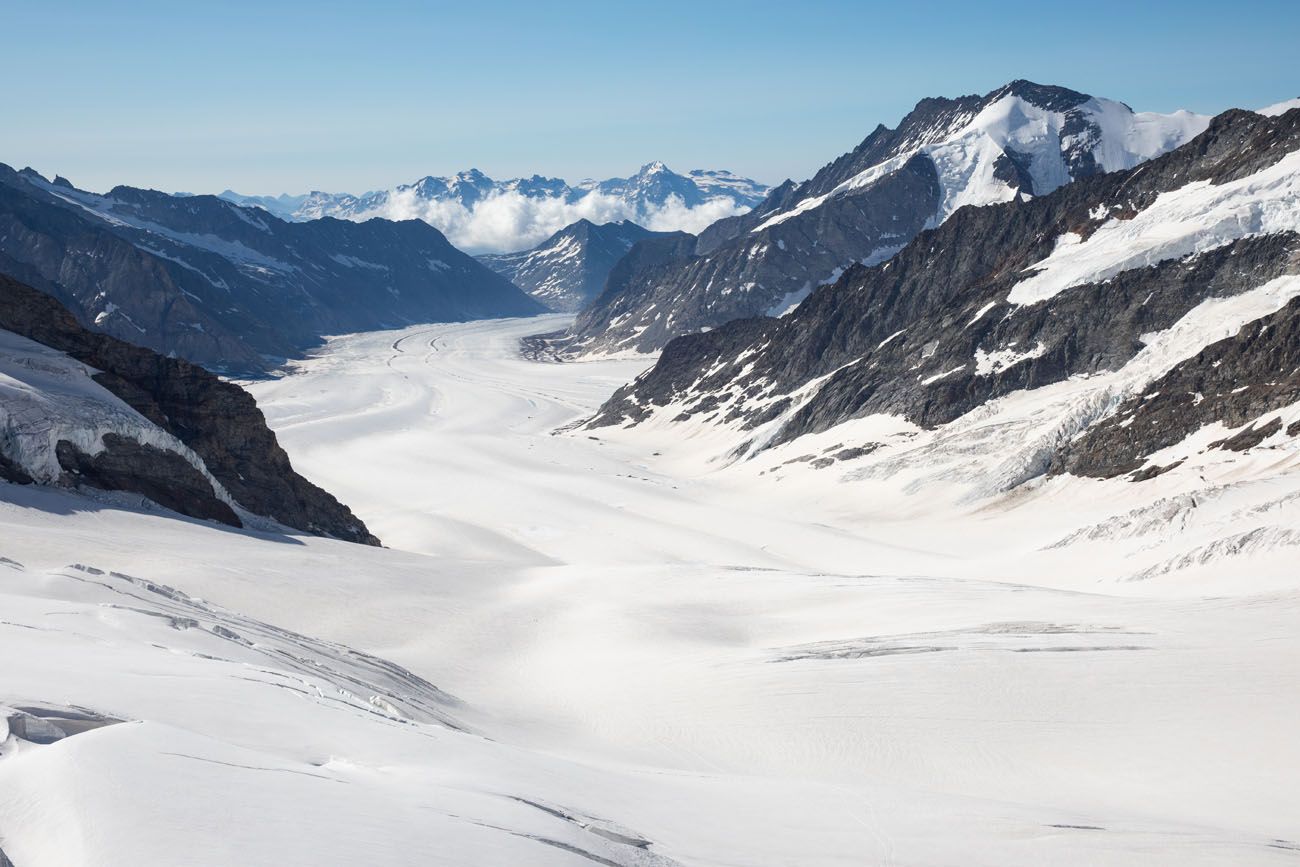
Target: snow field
(637,656)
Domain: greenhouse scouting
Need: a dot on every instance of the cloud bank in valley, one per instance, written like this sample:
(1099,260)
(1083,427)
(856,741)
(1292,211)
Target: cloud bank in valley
(508,221)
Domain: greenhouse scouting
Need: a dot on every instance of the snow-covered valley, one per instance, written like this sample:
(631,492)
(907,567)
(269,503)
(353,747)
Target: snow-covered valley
(608,647)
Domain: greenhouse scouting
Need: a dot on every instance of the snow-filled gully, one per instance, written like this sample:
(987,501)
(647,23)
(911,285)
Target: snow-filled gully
(583,648)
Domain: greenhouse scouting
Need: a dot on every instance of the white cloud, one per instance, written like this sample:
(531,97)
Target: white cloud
(673,215)
(508,221)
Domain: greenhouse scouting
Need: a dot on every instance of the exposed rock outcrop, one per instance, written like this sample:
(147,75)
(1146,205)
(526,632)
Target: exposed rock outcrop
(1236,381)
(162,476)
(11,472)
(218,420)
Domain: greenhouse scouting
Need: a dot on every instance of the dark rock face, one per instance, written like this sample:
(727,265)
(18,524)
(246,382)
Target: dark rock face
(11,472)
(1264,357)
(163,476)
(1251,436)
(569,269)
(904,337)
(230,287)
(755,265)
(643,263)
(218,420)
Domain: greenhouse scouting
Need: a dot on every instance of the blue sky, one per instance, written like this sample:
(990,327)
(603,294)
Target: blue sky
(290,96)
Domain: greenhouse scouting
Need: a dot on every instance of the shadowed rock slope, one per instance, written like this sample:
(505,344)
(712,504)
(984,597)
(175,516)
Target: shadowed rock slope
(235,289)
(207,430)
(567,270)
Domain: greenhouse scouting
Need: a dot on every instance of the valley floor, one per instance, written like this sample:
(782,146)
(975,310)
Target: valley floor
(604,646)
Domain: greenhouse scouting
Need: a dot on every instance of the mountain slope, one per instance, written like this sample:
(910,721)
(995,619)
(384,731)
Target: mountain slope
(488,216)
(1094,330)
(84,409)
(1022,139)
(233,288)
(567,270)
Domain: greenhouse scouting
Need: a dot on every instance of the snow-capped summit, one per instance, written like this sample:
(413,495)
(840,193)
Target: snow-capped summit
(718,181)
(1021,140)
(480,214)
(654,184)
(465,187)
(537,186)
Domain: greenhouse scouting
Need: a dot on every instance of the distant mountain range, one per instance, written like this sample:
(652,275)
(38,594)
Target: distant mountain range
(483,215)
(1021,140)
(233,288)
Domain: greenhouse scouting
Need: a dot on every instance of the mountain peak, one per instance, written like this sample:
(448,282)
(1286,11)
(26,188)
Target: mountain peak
(1050,97)
(1021,139)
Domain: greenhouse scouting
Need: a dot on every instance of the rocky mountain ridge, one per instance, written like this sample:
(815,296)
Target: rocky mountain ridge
(567,270)
(1139,308)
(1021,140)
(233,288)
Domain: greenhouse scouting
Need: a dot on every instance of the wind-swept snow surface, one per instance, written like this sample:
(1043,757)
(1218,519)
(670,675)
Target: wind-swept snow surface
(579,651)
